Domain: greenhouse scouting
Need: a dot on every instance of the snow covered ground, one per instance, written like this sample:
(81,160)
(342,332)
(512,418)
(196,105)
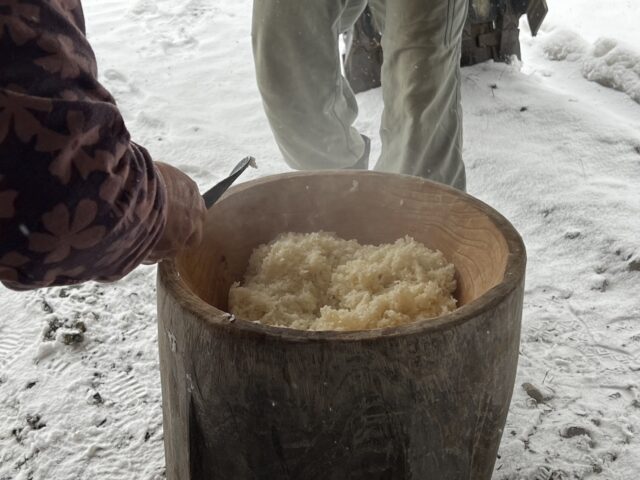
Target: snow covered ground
(553,143)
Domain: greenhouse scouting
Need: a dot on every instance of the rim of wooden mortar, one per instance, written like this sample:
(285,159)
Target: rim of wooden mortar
(514,272)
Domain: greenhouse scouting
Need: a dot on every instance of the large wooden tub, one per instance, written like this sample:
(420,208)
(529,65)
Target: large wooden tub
(423,401)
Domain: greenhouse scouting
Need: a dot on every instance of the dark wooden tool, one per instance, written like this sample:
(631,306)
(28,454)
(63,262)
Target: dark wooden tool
(423,401)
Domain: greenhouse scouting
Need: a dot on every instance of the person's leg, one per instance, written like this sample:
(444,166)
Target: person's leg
(309,104)
(350,14)
(422,121)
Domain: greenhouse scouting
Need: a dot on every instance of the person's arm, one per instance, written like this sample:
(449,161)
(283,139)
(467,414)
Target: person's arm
(78,200)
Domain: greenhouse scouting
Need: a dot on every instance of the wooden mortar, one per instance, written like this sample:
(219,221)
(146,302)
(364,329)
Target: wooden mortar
(427,400)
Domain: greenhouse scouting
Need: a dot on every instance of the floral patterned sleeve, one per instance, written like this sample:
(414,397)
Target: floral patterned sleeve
(78,200)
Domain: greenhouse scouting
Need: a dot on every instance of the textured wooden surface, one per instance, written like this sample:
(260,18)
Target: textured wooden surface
(423,401)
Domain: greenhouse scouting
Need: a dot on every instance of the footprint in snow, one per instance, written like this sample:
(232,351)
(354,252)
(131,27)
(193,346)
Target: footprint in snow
(124,388)
(9,347)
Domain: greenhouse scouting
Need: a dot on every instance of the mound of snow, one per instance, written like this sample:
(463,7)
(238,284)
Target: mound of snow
(608,61)
(562,44)
(614,65)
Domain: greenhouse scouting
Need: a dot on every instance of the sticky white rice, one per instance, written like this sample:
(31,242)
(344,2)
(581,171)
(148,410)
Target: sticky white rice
(318,281)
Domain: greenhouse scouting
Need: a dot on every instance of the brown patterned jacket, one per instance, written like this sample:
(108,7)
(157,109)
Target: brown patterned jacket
(78,200)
